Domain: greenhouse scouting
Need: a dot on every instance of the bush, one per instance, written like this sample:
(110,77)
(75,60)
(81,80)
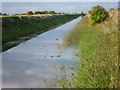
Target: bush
(98,14)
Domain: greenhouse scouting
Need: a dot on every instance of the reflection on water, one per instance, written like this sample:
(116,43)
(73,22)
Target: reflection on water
(30,63)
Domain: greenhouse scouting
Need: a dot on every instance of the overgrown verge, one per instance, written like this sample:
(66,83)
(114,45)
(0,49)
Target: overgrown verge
(15,27)
(99,67)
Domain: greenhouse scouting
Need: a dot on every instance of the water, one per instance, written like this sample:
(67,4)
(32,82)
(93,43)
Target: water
(30,63)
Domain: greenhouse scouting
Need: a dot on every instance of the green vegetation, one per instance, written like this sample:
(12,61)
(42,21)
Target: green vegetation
(98,14)
(18,26)
(99,67)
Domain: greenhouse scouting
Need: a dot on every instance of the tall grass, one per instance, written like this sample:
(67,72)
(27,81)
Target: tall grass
(99,67)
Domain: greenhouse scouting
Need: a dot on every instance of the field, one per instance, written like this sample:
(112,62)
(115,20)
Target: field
(15,27)
(99,65)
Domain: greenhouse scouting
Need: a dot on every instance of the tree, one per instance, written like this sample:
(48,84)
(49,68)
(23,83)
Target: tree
(23,14)
(45,12)
(17,14)
(59,12)
(98,14)
(89,11)
(4,14)
(37,12)
(82,14)
(0,13)
(52,12)
(30,13)
(112,9)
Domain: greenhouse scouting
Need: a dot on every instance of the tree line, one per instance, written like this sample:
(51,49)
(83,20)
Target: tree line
(41,12)
(35,13)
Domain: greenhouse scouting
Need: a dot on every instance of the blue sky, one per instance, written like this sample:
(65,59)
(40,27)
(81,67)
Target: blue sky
(68,7)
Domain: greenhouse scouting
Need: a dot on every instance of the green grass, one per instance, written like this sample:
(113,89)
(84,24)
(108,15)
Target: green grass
(15,27)
(99,67)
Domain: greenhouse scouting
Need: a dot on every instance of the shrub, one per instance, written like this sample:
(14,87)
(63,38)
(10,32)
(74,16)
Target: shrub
(98,14)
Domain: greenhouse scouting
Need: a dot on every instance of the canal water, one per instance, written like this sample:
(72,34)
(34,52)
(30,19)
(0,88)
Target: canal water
(33,62)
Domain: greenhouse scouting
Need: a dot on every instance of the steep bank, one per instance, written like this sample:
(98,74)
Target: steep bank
(13,28)
(98,52)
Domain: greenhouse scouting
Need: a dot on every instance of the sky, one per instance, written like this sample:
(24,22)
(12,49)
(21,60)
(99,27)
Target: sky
(67,7)
(60,0)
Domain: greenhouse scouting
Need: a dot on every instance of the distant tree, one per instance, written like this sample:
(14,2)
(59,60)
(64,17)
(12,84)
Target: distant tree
(82,14)
(98,14)
(30,13)
(44,12)
(89,11)
(37,12)
(52,12)
(59,12)
(23,14)
(112,9)
(16,14)
(4,14)
(0,13)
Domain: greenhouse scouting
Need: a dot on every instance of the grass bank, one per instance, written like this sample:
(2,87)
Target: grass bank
(14,27)
(99,67)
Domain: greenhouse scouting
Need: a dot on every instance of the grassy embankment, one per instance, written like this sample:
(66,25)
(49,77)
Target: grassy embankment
(14,27)
(99,67)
